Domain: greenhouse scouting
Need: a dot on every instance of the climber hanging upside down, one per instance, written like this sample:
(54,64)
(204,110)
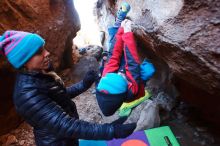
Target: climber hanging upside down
(123,76)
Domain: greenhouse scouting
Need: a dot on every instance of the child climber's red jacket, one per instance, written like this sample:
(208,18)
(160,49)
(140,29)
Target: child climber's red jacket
(125,43)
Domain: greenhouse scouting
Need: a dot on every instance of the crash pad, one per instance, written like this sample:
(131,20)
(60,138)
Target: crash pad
(161,136)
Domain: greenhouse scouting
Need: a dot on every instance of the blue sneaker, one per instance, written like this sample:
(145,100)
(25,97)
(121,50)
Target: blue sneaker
(122,13)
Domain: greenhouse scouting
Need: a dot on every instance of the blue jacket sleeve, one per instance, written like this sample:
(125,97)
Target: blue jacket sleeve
(76,89)
(41,111)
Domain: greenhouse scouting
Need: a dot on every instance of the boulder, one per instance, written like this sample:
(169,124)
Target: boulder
(184,35)
(56,21)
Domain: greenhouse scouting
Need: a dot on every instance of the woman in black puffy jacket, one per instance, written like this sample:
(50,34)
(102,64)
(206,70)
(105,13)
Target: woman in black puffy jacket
(44,102)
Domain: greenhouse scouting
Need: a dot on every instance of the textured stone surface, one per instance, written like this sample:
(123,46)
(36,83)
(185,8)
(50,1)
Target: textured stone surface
(8,117)
(185,35)
(85,64)
(55,20)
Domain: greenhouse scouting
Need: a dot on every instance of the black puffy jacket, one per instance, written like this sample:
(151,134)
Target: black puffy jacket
(54,118)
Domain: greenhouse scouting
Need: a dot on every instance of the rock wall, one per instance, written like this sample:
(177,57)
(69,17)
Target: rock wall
(183,34)
(56,21)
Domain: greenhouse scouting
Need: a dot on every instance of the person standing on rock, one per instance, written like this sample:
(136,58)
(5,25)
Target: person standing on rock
(123,76)
(41,98)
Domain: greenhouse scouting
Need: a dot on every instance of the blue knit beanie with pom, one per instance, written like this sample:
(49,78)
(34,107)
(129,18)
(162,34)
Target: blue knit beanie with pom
(112,83)
(19,46)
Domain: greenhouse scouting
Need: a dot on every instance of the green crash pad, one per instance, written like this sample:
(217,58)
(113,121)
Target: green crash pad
(159,136)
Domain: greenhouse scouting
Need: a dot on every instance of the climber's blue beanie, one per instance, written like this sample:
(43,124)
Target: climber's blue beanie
(111,92)
(19,46)
(112,83)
